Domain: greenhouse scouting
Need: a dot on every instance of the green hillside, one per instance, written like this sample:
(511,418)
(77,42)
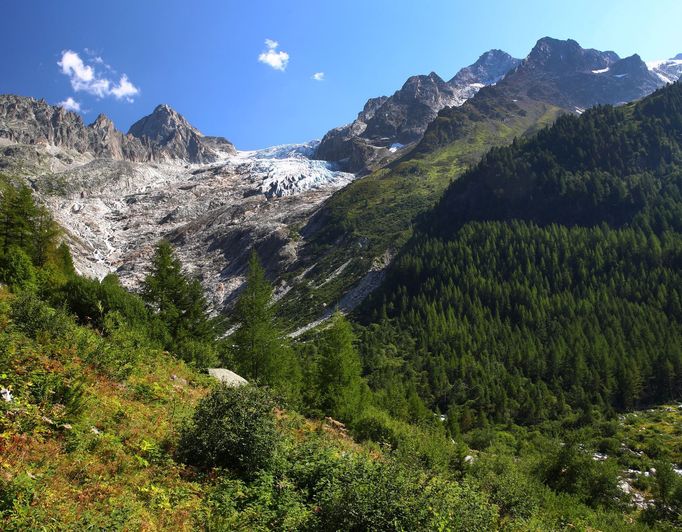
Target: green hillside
(109,422)
(546,282)
(374,215)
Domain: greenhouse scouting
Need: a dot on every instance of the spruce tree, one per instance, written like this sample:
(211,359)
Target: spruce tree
(259,346)
(181,306)
(339,379)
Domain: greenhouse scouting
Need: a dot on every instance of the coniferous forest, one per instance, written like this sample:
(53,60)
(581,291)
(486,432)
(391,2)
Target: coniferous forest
(546,282)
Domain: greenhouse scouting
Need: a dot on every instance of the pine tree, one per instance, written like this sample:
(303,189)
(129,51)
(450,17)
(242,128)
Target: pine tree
(181,306)
(259,347)
(339,379)
(165,287)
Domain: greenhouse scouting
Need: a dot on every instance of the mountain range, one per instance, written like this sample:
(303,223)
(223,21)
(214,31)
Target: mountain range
(388,124)
(325,217)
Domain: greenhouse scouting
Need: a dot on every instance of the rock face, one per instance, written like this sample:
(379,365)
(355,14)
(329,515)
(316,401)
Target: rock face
(175,138)
(117,195)
(574,78)
(557,73)
(388,125)
(162,136)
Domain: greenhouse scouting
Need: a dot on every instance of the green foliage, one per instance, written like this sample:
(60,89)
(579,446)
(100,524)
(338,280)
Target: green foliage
(546,283)
(26,225)
(91,300)
(366,494)
(34,317)
(568,469)
(425,446)
(16,269)
(181,308)
(341,388)
(668,496)
(124,349)
(375,214)
(516,494)
(259,347)
(232,428)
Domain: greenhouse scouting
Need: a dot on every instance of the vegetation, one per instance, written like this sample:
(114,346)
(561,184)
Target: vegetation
(497,381)
(232,428)
(260,349)
(375,215)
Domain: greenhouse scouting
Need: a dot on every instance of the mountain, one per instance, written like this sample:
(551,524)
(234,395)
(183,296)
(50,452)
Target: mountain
(116,194)
(387,125)
(556,72)
(176,138)
(546,282)
(669,70)
(34,122)
(349,241)
(325,235)
(163,135)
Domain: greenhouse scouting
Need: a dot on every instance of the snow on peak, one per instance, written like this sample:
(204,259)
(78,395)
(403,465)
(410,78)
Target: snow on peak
(668,70)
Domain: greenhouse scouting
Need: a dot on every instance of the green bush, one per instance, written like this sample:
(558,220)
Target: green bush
(516,494)
(232,428)
(377,426)
(569,469)
(32,316)
(368,494)
(16,269)
(122,350)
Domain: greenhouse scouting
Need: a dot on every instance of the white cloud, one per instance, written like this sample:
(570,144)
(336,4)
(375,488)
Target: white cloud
(124,89)
(318,76)
(70,105)
(84,78)
(277,60)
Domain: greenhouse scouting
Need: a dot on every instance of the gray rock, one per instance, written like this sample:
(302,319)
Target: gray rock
(227,377)
(163,135)
(173,137)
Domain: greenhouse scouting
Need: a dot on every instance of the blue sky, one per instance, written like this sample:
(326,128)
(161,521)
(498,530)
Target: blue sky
(202,57)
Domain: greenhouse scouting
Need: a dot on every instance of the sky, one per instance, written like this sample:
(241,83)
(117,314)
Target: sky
(262,73)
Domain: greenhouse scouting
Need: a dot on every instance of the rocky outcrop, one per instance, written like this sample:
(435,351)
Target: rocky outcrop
(30,121)
(564,74)
(387,126)
(227,377)
(173,137)
(162,136)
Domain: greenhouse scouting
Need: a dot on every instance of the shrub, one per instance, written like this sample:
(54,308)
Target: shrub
(123,349)
(232,428)
(368,494)
(16,269)
(33,316)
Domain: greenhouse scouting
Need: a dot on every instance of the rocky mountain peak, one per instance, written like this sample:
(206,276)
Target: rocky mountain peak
(629,65)
(555,55)
(162,125)
(102,122)
(388,124)
(678,57)
(162,135)
(173,137)
(492,66)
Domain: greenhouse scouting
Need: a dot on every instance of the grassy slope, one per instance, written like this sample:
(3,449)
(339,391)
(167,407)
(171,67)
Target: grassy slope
(374,215)
(107,465)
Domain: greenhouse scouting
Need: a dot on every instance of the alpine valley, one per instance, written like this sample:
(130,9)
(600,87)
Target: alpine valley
(460,311)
